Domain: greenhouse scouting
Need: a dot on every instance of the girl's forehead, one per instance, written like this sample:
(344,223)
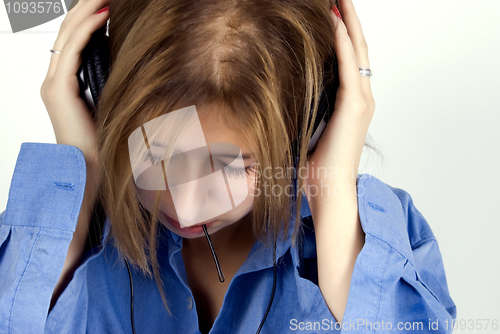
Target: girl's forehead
(216,130)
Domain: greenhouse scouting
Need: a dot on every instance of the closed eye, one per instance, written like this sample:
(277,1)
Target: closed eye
(155,159)
(237,173)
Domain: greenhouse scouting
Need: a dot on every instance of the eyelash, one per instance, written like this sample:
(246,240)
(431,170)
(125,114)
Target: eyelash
(235,173)
(155,159)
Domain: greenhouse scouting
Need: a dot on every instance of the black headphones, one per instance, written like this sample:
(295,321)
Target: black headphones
(92,76)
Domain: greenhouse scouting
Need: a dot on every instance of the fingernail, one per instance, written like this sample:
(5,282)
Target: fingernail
(103,10)
(336,12)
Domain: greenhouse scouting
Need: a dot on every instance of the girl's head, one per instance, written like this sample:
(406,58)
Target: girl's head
(251,68)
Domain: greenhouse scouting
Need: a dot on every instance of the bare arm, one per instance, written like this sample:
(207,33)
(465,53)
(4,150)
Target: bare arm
(339,239)
(339,236)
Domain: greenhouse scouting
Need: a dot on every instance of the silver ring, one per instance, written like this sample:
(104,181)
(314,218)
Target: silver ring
(366,72)
(54,51)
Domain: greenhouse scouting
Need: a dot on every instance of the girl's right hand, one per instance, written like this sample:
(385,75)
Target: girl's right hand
(71,119)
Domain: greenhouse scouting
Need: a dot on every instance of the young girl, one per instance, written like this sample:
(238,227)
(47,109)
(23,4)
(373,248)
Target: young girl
(354,254)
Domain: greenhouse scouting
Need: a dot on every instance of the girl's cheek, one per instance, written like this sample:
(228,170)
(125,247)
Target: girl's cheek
(147,198)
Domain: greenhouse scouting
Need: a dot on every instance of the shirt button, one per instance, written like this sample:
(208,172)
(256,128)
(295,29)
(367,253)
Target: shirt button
(190,303)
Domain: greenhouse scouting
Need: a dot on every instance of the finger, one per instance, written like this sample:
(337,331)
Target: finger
(346,57)
(82,10)
(54,57)
(359,44)
(72,11)
(355,32)
(76,16)
(70,58)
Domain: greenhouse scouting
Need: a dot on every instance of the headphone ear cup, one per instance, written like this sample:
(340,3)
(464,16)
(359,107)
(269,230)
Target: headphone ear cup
(326,107)
(95,64)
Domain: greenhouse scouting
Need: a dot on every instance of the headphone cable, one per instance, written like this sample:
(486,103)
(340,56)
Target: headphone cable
(131,298)
(273,291)
(261,323)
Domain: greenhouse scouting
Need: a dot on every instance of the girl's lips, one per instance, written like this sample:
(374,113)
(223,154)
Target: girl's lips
(191,230)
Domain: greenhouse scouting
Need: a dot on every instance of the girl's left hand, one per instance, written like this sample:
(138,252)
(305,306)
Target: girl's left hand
(340,146)
(333,197)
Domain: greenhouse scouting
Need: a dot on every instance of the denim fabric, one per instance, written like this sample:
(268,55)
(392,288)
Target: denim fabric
(398,280)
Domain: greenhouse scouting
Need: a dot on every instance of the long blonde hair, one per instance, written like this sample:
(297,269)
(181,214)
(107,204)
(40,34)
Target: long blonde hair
(259,61)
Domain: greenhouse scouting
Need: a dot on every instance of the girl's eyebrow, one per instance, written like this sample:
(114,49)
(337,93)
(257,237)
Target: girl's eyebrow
(245,156)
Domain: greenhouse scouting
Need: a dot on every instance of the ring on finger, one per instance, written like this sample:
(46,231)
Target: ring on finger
(54,51)
(365,72)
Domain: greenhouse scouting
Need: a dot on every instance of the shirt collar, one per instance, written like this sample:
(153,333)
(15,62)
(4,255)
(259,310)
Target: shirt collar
(260,256)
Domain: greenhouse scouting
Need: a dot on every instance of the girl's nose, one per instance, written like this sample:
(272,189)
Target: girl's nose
(202,199)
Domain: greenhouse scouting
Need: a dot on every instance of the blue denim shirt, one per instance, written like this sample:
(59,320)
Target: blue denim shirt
(398,282)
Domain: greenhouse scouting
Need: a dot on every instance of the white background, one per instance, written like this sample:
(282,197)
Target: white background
(437,89)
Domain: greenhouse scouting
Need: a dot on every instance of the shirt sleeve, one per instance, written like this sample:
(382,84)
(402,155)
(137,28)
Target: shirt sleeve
(398,282)
(36,229)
